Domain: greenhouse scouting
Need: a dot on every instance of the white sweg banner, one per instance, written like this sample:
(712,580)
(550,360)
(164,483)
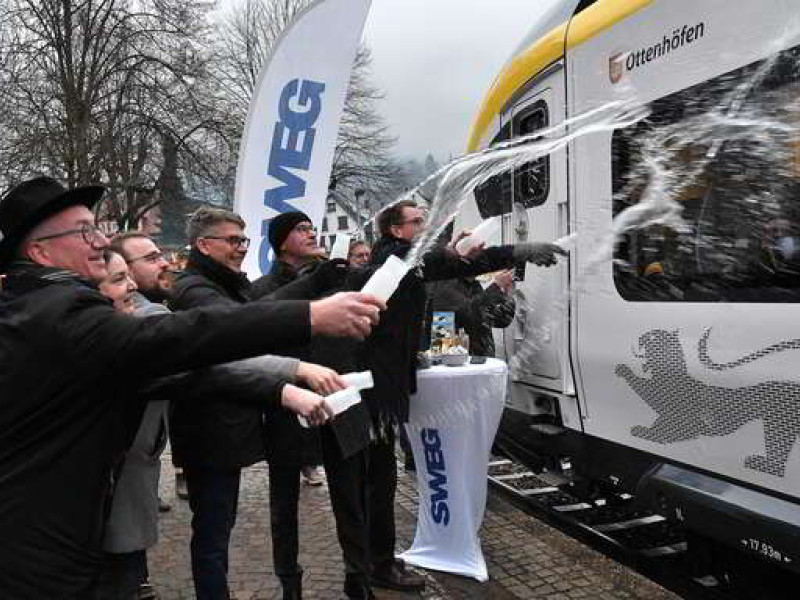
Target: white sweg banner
(286,152)
(452,423)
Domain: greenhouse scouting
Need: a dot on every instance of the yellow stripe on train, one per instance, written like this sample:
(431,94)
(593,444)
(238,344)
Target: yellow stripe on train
(545,51)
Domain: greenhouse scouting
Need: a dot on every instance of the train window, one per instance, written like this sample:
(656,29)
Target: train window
(494,195)
(717,165)
(532,180)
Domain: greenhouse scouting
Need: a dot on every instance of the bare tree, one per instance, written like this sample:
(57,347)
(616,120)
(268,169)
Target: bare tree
(362,158)
(90,91)
(129,93)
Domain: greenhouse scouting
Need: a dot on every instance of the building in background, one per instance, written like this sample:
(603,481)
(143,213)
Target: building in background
(345,219)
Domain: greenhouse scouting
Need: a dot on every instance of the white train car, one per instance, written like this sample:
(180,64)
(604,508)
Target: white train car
(672,368)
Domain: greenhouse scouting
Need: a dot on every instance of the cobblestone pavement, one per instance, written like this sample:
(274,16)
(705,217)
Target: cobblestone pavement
(526,558)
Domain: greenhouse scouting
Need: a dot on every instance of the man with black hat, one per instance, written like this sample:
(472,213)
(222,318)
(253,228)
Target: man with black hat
(294,241)
(71,368)
(297,255)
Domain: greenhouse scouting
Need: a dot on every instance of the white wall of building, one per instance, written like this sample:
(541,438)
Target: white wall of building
(336,221)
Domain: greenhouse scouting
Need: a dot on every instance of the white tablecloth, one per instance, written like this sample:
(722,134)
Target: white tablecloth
(453,420)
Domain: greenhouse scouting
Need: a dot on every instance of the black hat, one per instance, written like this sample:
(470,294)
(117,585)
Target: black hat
(33,201)
(281,226)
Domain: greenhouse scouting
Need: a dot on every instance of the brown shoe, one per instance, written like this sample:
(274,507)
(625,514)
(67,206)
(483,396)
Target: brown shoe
(394,576)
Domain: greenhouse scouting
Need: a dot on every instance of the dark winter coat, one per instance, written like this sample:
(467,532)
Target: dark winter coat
(287,442)
(224,430)
(70,404)
(281,275)
(390,351)
(476,310)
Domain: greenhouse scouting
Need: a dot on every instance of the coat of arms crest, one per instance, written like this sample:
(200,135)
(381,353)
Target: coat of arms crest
(616,67)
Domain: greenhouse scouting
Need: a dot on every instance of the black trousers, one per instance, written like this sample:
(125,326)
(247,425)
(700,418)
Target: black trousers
(348,493)
(213,498)
(284,494)
(346,486)
(121,576)
(381,491)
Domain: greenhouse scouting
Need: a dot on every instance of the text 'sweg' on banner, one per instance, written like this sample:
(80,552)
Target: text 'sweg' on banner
(287,149)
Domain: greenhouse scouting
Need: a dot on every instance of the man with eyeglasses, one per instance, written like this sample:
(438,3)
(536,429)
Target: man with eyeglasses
(293,451)
(390,354)
(71,371)
(291,447)
(294,242)
(358,254)
(215,440)
(146,263)
(149,269)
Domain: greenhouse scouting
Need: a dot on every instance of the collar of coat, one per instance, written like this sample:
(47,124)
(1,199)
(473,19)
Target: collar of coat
(388,245)
(286,273)
(25,276)
(234,283)
(283,272)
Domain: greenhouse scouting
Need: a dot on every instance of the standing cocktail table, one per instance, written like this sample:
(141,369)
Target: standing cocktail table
(453,420)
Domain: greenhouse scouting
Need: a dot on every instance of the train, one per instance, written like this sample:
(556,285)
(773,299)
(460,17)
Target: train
(661,358)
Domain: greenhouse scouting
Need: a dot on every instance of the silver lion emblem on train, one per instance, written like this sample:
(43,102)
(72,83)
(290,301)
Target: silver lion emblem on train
(689,408)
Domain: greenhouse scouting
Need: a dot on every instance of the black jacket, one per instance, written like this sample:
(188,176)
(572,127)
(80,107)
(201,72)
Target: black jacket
(70,367)
(281,275)
(223,430)
(287,442)
(390,352)
(476,311)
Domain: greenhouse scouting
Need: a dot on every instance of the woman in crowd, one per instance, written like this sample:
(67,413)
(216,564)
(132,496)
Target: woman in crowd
(132,525)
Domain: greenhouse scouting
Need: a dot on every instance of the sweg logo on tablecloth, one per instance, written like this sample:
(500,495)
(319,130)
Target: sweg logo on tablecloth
(434,462)
(289,151)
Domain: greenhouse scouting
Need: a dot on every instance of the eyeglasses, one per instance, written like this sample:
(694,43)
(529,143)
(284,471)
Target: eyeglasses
(234,241)
(90,234)
(152,257)
(305,228)
(415,221)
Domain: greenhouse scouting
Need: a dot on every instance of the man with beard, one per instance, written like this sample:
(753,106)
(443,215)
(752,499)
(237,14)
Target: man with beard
(358,254)
(71,368)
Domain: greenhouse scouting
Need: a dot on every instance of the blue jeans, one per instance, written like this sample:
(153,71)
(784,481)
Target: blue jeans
(213,498)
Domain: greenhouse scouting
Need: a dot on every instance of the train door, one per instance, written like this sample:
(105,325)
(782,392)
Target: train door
(536,344)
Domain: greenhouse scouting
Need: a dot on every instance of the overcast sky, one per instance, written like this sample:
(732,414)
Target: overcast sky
(435,59)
